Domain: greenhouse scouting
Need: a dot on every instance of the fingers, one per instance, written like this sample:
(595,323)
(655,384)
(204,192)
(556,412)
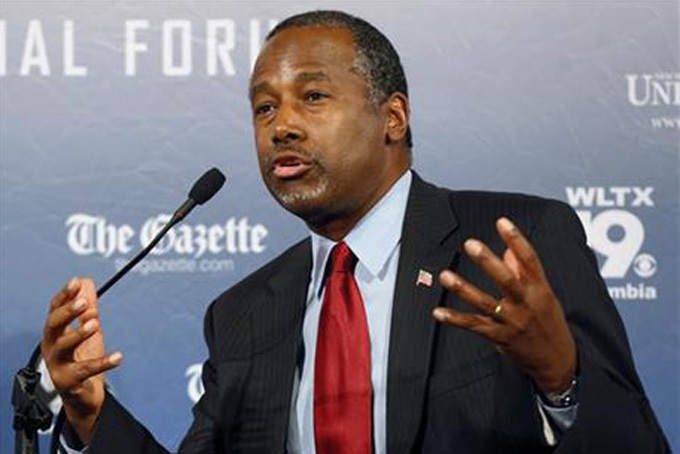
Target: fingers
(73,375)
(87,289)
(76,300)
(64,345)
(75,357)
(477,323)
(494,267)
(82,370)
(473,322)
(65,294)
(487,323)
(58,320)
(468,292)
(521,247)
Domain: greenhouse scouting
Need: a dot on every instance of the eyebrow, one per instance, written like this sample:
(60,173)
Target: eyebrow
(265,86)
(262,87)
(312,76)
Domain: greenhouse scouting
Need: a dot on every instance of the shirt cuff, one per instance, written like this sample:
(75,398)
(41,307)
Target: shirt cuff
(68,439)
(555,420)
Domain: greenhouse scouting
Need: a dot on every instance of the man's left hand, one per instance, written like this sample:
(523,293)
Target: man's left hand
(527,324)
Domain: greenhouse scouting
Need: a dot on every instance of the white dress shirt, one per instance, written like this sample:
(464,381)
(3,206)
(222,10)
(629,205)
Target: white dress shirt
(375,242)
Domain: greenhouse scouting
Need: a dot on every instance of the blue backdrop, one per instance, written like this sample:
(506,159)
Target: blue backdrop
(109,110)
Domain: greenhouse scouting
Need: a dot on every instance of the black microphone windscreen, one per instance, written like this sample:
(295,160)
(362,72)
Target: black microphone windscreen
(207,186)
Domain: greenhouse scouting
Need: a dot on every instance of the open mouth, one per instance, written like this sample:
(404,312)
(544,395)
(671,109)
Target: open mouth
(287,167)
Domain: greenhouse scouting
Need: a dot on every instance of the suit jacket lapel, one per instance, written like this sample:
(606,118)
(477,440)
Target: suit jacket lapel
(428,243)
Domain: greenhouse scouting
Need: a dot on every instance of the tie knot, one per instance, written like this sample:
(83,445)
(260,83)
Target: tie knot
(342,258)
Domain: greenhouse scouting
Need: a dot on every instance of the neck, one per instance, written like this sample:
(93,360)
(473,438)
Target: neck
(336,226)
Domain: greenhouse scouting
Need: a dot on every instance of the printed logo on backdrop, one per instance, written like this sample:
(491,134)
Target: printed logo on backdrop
(614,221)
(655,91)
(187,248)
(178,47)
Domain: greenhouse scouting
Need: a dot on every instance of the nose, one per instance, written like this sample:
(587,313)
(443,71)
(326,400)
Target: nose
(287,126)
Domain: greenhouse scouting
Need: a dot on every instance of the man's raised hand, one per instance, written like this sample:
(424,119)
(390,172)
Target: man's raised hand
(527,324)
(75,355)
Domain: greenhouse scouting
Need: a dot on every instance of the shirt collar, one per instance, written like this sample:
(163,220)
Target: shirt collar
(373,238)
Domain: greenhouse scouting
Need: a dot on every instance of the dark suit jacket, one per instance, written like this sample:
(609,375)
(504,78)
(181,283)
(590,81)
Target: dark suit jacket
(449,391)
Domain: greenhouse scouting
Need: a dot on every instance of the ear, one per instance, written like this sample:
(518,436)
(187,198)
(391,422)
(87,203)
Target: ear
(397,111)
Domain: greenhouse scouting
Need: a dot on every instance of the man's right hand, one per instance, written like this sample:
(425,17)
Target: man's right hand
(75,356)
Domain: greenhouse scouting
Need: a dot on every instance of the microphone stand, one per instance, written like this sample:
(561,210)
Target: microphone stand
(32,414)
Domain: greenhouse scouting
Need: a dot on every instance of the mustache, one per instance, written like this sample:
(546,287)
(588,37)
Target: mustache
(277,151)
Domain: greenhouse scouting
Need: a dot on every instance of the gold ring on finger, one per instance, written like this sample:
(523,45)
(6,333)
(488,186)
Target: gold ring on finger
(499,308)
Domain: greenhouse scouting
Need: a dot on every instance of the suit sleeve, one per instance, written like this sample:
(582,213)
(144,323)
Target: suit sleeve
(203,435)
(614,414)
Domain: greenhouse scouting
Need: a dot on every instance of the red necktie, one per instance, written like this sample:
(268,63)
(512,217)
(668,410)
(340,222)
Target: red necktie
(342,375)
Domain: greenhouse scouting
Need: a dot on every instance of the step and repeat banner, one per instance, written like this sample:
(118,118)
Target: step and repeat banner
(109,110)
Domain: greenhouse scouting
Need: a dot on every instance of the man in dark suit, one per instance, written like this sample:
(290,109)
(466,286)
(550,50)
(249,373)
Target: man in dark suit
(347,342)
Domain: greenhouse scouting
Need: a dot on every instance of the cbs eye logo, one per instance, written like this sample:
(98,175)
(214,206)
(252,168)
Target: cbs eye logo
(618,236)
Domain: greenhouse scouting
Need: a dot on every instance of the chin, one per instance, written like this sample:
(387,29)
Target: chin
(305,202)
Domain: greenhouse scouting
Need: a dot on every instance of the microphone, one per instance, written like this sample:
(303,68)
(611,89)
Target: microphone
(201,192)
(31,414)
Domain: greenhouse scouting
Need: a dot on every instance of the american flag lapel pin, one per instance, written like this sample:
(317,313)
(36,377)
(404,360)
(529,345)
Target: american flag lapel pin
(424,278)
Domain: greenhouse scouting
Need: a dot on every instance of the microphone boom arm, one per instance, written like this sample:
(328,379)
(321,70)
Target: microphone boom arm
(143,253)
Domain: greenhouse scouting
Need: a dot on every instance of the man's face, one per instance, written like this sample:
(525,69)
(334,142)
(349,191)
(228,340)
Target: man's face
(320,141)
